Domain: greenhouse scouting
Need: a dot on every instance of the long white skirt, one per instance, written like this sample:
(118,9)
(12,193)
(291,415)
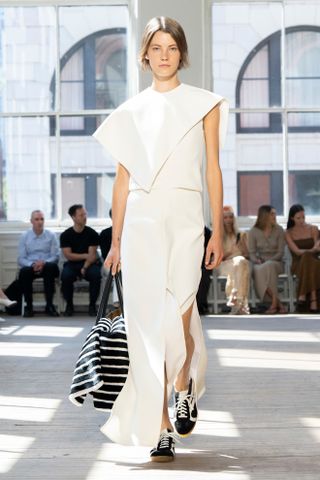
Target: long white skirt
(161,254)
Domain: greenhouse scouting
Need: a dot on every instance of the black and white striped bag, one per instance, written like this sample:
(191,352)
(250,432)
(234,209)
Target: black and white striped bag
(103,362)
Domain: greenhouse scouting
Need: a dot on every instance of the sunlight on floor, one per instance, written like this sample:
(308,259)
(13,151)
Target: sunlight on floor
(28,408)
(235,357)
(314,426)
(12,448)
(189,463)
(48,331)
(6,330)
(214,423)
(22,349)
(269,336)
(218,424)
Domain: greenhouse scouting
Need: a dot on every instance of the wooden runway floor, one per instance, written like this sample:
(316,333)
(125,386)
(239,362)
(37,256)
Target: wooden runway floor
(259,419)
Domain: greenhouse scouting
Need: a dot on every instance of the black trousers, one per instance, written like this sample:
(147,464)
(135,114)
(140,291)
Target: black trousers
(71,271)
(202,295)
(49,272)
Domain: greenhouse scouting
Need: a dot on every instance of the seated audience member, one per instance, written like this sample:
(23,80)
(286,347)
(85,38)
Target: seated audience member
(202,294)
(235,265)
(79,245)
(5,301)
(106,239)
(304,244)
(38,257)
(266,250)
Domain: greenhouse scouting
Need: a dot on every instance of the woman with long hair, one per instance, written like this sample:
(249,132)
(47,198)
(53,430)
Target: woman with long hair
(235,264)
(303,241)
(266,250)
(158,138)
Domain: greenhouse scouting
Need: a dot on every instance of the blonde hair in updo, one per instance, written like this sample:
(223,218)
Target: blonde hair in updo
(167,25)
(229,209)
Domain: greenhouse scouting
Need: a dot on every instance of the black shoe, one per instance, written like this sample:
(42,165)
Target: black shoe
(51,311)
(186,411)
(301,306)
(92,311)
(28,312)
(69,310)
(164,451)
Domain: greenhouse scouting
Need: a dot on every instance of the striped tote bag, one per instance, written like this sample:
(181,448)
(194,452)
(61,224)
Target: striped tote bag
(103,363)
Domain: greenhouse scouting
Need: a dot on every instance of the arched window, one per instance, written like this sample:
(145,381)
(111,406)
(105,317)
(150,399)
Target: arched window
(259,82)
(93,76)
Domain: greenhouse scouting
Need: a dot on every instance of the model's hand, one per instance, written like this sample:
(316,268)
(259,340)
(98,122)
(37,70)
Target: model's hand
(112,262)
(214,253)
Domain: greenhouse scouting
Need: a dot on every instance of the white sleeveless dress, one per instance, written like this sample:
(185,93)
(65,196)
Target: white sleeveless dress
(159,139)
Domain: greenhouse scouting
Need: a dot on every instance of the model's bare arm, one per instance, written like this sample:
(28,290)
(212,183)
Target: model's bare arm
(214,252)
(119,202)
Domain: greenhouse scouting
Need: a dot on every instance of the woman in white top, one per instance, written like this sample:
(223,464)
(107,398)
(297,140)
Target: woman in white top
(158,139)
(235,264)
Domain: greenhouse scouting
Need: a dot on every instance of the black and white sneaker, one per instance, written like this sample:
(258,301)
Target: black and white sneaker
(186,411)
(165,450)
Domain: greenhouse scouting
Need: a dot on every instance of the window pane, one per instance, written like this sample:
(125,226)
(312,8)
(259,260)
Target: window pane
(237,29)
(304,169)
(72,84)
(303,53)
(252,170)
(28,56)
(303,68)
(94,57)
(111,70)
(28,163)
(87,172)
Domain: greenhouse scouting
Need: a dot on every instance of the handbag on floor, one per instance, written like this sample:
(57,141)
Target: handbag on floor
(103,363)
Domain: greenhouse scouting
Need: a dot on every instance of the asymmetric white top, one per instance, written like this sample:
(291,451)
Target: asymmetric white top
(159,139)
(143,132)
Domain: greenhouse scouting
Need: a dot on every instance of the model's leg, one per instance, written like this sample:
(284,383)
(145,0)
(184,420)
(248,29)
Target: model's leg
(166,423)
(165,449)
(182,381)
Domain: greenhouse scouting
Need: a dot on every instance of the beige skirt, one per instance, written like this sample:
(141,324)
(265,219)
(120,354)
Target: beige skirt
(266,276)
(161,254)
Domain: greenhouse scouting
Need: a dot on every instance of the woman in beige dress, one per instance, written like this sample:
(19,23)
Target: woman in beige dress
(266,250)
(235,265)
(159,138)
(304,244)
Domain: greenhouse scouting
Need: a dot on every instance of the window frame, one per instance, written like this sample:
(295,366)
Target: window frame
(273,42)
(86,43)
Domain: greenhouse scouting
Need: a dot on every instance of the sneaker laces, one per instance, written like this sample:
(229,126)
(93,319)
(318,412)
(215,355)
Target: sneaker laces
(182,404)
(164,440)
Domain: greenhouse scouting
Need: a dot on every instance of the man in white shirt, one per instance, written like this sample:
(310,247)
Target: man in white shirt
(38,257)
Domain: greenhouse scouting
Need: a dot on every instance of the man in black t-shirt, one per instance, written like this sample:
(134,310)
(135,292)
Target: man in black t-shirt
(79,245)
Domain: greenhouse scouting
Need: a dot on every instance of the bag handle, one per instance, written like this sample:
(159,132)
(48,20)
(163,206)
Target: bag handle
(106,293)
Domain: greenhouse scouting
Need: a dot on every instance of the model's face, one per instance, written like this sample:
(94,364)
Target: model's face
(80,217)
(37,221)
(299,219)
(228,219)
(163,55)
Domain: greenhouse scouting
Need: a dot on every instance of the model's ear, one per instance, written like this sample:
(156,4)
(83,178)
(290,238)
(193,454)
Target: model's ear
(147,58)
